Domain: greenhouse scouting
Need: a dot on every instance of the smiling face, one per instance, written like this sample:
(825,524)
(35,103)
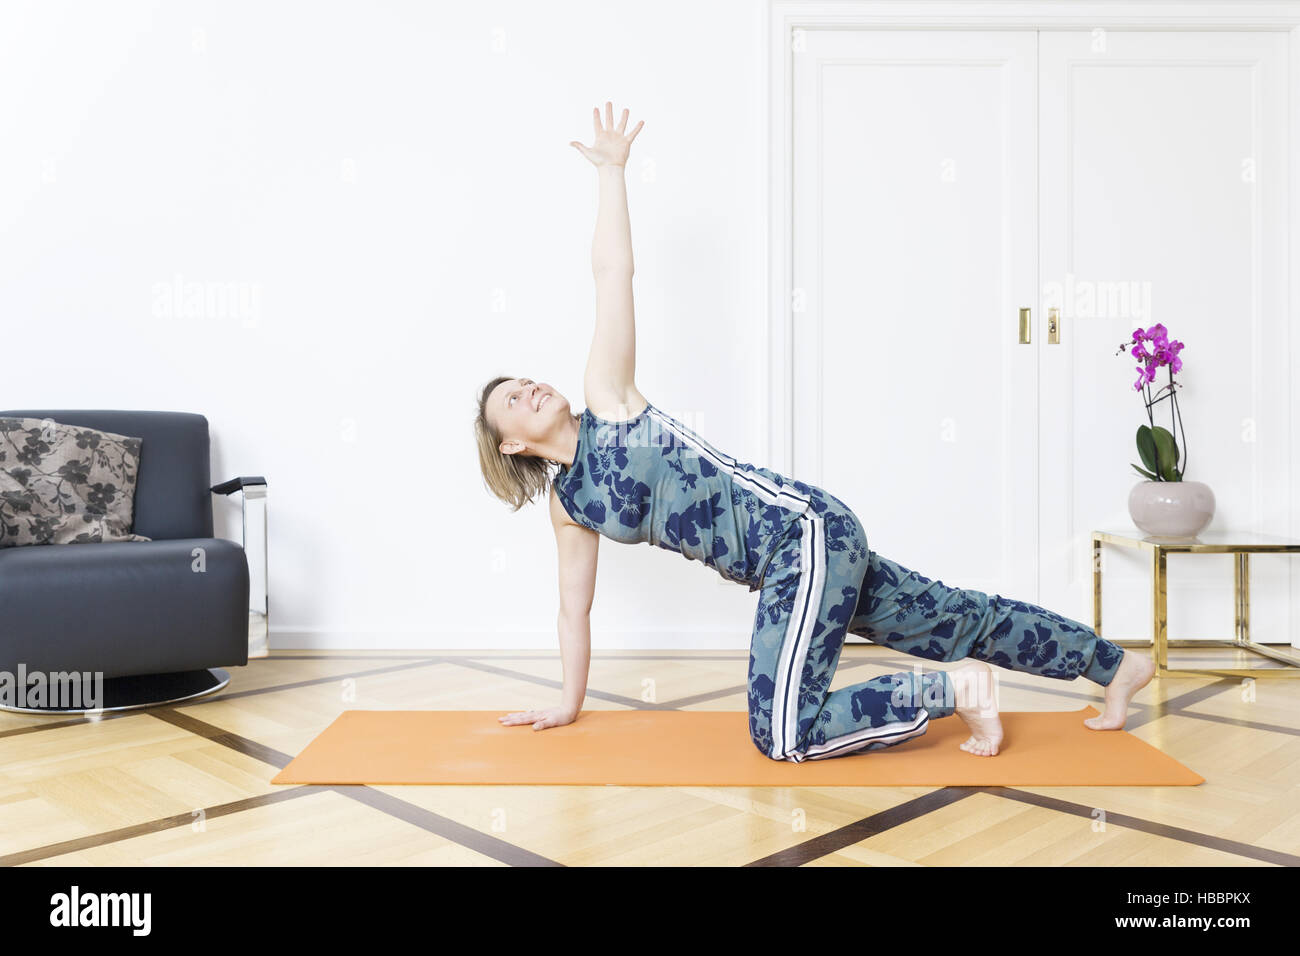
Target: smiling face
(526,411)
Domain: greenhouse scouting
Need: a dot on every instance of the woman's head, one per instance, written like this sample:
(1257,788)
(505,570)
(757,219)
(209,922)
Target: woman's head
(519,421)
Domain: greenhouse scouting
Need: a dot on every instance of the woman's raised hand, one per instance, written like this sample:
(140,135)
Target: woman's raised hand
(611,145)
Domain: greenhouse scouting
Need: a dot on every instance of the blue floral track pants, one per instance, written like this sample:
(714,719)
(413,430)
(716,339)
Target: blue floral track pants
(823,583)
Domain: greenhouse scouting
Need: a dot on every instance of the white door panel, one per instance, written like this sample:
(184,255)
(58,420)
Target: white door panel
(913,248)
(1162,199)
(944,179)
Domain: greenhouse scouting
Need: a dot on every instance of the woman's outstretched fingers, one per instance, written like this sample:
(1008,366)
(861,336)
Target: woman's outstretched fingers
(611,143)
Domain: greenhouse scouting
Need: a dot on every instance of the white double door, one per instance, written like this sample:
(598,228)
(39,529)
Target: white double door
(945,180)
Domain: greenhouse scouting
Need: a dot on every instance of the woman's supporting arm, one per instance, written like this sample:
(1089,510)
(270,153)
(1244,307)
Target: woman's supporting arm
(578,550)
(575,654)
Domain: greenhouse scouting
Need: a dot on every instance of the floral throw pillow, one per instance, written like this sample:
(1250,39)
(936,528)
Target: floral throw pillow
(64,484)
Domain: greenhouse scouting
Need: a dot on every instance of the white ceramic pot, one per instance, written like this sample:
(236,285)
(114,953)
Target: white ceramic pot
(1171,508)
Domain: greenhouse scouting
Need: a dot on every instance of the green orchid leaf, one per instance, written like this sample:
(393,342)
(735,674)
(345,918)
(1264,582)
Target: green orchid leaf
(1147,447)
(1145,474)
(1166,452)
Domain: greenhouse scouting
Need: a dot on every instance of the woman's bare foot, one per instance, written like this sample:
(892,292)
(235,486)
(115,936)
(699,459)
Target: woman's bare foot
(977,707)
(1133,674)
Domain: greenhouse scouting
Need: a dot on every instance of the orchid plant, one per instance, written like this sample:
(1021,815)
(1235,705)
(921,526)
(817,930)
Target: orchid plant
(1156,445)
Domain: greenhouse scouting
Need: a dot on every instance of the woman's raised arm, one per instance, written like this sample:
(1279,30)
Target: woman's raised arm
(611,364)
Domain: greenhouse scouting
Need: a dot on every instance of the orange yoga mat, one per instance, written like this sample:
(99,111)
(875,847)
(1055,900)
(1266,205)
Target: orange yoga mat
(667,748)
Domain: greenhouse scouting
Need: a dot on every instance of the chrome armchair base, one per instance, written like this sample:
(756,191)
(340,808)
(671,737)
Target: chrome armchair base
(145,690)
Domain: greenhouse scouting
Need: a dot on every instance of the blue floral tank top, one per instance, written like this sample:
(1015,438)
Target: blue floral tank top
(651,479)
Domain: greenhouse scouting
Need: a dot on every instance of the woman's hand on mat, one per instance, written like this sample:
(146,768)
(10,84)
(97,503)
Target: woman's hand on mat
(611,145)
(540,719)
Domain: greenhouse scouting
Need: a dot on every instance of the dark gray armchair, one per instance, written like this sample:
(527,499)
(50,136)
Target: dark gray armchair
(159,618)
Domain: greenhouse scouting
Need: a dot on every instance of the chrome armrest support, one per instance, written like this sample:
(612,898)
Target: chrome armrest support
(254,491)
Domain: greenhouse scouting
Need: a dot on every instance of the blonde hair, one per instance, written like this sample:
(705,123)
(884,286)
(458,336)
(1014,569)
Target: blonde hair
(515,479)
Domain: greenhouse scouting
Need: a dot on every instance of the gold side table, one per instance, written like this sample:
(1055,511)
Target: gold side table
(1242,544)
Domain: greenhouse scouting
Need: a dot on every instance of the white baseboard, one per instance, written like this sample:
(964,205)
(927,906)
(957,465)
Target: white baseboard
(306,638)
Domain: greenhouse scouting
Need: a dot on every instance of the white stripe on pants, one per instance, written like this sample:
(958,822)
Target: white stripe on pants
(793,657)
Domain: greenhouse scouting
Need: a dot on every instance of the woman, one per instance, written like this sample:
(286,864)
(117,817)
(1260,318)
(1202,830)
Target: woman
(633,473)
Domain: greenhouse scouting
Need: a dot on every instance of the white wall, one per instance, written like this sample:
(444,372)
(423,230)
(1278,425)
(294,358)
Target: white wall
(390,190)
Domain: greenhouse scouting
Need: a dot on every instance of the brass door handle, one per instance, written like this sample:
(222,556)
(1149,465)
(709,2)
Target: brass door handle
(1024,326)
(1053,326)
